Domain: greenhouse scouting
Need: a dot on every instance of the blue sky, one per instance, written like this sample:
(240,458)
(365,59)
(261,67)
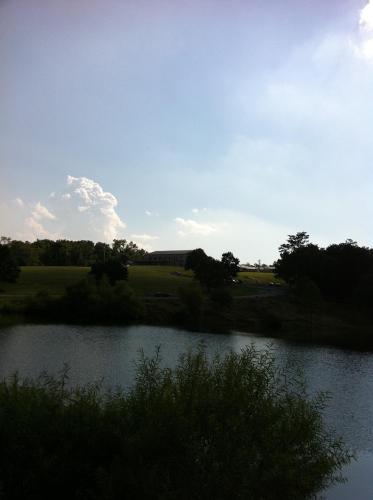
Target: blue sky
(213,124)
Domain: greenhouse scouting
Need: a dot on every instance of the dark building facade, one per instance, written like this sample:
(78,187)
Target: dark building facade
(168,257)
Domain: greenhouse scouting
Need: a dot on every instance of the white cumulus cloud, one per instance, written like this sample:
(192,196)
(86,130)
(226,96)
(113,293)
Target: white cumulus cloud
(95,209)
(366,16)
(364,47)
(79,210)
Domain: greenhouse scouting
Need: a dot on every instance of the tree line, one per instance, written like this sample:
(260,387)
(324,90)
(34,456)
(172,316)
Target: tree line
(68,252)
(341,271)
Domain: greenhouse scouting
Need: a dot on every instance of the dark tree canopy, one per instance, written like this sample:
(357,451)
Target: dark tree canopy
(195,259)
(9,270)
(127,250)
(341,271)
(113,268)
(294,242)
(212,273)
(231,263)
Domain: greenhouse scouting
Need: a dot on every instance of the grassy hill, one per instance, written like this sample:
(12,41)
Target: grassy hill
(146,280)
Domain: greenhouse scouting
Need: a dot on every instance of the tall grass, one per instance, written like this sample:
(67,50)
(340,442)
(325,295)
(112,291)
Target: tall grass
(229,428)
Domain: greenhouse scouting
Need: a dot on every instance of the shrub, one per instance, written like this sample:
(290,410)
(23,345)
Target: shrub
(9,270)
(41,303)
(114,269)
(222,297)
(192,299)
(308,293)
(88,300)
(229,428)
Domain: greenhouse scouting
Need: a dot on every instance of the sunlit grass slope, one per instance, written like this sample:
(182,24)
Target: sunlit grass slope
(53,279)
(146,280)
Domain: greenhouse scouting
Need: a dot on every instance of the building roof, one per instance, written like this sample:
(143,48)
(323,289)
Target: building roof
(170,252)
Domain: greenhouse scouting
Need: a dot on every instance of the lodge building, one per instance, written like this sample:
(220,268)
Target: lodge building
(168,257)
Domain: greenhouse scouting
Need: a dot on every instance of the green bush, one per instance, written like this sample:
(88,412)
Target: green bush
(192,300)
(114,270)
(9,270)
(221,297)
(232,428)
(39,303)
(88,301)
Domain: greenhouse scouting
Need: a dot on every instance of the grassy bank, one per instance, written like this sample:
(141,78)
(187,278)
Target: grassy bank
(256,306)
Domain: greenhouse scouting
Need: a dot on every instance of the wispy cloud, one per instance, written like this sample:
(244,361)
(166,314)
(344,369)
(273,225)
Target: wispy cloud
(34,229)
(41,212)
(144,240)
(198,210)
(144,237)
(189,226)
(19,202)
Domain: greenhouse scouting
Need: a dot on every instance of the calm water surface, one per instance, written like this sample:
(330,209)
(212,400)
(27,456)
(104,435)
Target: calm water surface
(108,354)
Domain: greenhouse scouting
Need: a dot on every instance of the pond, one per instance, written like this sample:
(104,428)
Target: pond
(108,354)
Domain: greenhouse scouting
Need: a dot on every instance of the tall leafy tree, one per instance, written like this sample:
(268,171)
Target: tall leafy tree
(294,242)
(113,268)
(231,263)
(211,273)
(127,250)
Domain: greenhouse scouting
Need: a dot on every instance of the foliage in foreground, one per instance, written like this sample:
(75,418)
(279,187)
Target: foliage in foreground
(230,428)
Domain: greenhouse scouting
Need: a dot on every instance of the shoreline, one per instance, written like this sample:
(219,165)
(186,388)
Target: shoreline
(279,317)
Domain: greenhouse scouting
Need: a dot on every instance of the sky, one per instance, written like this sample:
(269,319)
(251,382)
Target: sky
(225,125)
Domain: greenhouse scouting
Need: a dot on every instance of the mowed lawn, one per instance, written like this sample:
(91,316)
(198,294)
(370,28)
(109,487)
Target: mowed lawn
(33,279)
(146,280)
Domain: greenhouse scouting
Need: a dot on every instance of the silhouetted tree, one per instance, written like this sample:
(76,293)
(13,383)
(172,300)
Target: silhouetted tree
(231,263)
(9,271)
(301,261)
(127,250)
(337,270)
(294,242)
(195,259)
(211,273)
(113,268)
